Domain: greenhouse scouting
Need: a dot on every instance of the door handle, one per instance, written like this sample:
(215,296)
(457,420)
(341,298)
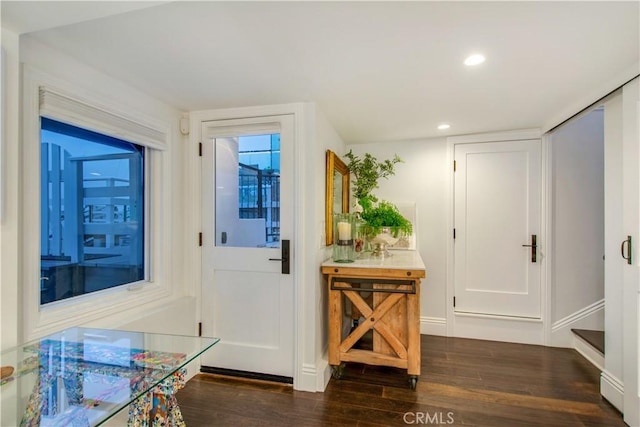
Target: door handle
(629,249)
(534,247)
(285,254)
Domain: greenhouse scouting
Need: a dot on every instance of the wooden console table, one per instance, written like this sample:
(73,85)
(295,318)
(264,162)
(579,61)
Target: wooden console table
(392,312)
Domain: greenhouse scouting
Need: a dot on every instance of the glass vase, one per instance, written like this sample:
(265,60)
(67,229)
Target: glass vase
(344,228)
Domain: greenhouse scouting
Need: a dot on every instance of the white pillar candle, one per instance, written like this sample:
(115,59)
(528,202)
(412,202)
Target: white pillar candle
(344,231)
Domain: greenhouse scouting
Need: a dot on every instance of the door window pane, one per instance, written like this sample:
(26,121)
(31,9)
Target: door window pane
(248,191)
(92,212)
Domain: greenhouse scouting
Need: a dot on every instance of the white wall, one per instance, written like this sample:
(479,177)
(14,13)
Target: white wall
(167,203)
(10,242)
(577,266)
(422,179)
(326,139)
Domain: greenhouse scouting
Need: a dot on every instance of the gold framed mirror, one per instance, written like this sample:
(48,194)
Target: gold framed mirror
(336,191)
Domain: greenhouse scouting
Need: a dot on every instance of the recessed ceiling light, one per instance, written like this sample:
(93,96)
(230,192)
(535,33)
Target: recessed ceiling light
(444,126)
(474,59)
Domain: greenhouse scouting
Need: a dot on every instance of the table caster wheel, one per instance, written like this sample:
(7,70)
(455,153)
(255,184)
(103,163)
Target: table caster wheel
(413,381)
(337,371)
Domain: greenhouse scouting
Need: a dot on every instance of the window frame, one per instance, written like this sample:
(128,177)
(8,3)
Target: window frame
(43,319)
(146,226)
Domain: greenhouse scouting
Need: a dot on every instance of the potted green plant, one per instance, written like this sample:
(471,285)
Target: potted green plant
(365,173)
(386,215)
(383,222)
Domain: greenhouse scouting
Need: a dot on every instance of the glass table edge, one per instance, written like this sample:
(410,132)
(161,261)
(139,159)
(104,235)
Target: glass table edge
(206,344)
(164,376)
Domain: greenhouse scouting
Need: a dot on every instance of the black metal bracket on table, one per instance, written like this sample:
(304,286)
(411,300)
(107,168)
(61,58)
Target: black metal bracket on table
(360,281)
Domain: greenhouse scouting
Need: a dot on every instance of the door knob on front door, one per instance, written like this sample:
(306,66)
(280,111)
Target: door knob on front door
(286,264)
(534,247)
(629,249)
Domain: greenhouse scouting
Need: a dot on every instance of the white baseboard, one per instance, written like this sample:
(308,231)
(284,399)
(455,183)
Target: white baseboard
(323,380)
(612,389)
(588,352)
(308,378)
(499,328)
(193,369)
(590,317)
(433,326)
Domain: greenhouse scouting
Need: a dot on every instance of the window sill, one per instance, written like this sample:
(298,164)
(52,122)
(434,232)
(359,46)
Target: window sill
(112,306)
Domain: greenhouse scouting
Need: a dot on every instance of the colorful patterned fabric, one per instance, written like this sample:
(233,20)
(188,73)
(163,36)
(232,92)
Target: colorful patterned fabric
(62,372)
(159,408)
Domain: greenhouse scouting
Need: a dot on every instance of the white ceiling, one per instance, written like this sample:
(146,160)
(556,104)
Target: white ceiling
(381,71)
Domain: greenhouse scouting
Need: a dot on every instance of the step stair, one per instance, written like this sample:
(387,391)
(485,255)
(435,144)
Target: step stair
(590,344)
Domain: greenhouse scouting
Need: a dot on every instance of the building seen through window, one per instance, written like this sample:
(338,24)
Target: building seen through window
(247,176)
(259,181)
(92,212)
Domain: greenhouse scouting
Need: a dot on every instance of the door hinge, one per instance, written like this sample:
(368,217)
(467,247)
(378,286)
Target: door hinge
(454,233)
(454,165)
(200,149)
(199,329)
(199,239)
(454,301)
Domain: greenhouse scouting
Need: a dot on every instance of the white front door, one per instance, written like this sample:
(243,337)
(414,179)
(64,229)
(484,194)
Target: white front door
(496,216)
(247,211)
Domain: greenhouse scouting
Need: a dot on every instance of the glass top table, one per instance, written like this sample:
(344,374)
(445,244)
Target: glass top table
(84,376)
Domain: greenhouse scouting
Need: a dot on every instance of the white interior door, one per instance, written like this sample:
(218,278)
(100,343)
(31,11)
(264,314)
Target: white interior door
(630,250)
(496,213)
(247,211)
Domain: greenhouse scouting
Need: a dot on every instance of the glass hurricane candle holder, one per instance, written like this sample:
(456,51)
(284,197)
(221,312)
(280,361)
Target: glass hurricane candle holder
(344,228)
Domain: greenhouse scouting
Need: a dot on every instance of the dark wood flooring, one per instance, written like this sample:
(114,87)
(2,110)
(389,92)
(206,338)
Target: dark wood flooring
(463,383)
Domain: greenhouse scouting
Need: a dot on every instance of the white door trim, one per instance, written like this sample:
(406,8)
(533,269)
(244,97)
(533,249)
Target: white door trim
(192,256)
(264,346)
(546,230)
(538,330)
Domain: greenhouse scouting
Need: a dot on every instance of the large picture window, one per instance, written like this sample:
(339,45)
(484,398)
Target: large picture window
(92,212)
